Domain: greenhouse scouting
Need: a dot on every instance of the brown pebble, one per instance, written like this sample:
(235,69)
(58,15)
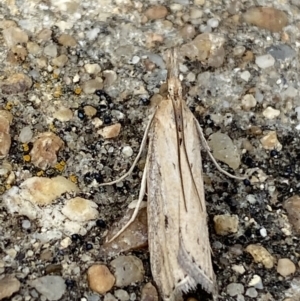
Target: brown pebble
(110,131)
(53,269)
(8,286)
(100,279)
(45,148)
(261,255)
(67,40)
(156,12)
(60,61)
(285,267)
(14,36)
(266,17)
(44,34)
(188,32)
(292,207)
(90,111)
(17,83)
(226,224)
(149,292)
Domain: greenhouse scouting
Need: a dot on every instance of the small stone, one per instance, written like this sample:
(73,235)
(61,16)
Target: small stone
(26,134)
(271,113)
(234,289)
(261,255)
(66,242)
(63,114)
(26,224)
(79,209)
(44,150)
(5,138)
(199,2)
(156,12)
(110,77)
(51,287)
(90,111)
(248,102)
(263,232)
(60,61)
(270,141)
(265,61)
(251,292)
(127,151)
(67,40)
(149,292)
(135,236)
(226,224)
(16,83)
(196,13)
(282,52)
(292,207)
(92,68)
(239,268)
(51,50)
(246,75)
(43,191)
(110,297)
(8,286)
(13,36)
(110,131)
(188,32)
(213,23)
(289,93)
(100,279)
(256,282)
(285,267)
(266,17)
(128,270)
(44,35)
(224,150)
(122,295)
(90,86)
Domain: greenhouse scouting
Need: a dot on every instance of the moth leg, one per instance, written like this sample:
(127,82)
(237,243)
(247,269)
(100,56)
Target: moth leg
(207,148)
(143,144)
(141,197)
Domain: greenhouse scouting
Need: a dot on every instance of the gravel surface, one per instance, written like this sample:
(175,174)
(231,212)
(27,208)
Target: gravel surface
(78,79)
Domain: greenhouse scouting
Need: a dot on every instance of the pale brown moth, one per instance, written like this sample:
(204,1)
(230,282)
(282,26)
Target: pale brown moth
(178,238)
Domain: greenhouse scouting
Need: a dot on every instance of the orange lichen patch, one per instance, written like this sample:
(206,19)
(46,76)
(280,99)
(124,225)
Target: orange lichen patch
(25,147)
(8,106)
(26,158)
(77,90)
(52,128)
(57,92)
(40,173)
(73,178)
(60,166)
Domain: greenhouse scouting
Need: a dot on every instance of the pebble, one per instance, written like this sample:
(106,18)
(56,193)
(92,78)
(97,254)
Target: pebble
(135,236)
(90,86)
(127,270)
(51,50)
(127,151)
(65,242)
(122,295)
(110,297)
(5,138)
(188,32)
(149,292)
(51,287)
(67,40)
(79,209)
(285,267)
(238,268)
(213,22)
(111,131)
(251,292)
(26,134)
(8,286)
(256,282)
(26,224)
(292,207)
(282,52)
(270,141)
(156,12)
(13,36)
(224,150)
(265,61)
(248,102)
(44,150)
(110,77)
(271,113)
(246,75)
(226,224)
(234,289)
(263,232)
(90,111)
(261,255)
(92,68)
(60,61)
(16,83)
(44,35)
(100,279)
(268,18)
(63,114)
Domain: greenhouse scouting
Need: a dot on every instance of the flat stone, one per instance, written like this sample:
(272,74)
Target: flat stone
(51,287)
(67,40)
(8,286)
(285,267)
(16,83)
(226,224)
(234,289)
(261,255)
(100,279)
(282,52)
(111,131)
(265,61)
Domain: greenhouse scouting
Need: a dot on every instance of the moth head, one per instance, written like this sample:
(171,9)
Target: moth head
(174,87)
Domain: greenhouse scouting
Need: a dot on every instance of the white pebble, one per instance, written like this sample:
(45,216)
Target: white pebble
(127,151)
(135,59)
(265,61)
(25,134)
(263,232)
(271,113)
(256,282)
(213,23)
(26,224)
(245,75)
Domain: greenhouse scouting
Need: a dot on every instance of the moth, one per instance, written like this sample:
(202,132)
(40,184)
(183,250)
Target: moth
(178,237)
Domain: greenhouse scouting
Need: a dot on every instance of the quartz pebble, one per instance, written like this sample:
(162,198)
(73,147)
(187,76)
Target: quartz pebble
(248,102)
(261,255)
(224,150)
(51,50)
(16,83)
(285,267)
(110,131)
(90,86)
(67,40)
(256,282)
(128,270)
(270,141)
(127,151)
(234,289)
(271,113)
(44,150)
(292,207)
(63,114)
(26,134)
(149,292)
(8,286)
(60,61)
(14,36)
(226,224)
(265,61)
(100,279)
(92,68)
(122,295)
(156,12)
(51,287)
(251,292)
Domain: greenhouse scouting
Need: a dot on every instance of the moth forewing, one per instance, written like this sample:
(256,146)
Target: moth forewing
(178,235)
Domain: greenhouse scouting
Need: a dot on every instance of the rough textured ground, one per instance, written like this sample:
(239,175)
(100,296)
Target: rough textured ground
(77,81)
